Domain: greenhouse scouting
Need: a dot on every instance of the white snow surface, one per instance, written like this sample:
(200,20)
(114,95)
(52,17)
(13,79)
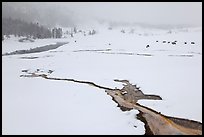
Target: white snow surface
(39,106)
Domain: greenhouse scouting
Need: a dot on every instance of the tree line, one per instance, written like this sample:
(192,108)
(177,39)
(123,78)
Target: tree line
(19,28)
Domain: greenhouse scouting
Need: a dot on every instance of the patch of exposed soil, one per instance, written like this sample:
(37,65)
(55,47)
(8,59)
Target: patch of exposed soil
(109,51)
(181,55)
(29,57)
(127,97)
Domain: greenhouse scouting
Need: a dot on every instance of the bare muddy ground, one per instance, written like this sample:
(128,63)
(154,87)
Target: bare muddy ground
(32,57)
(127,97)
(111,52)
(159,124)
(181,55)
(36,50)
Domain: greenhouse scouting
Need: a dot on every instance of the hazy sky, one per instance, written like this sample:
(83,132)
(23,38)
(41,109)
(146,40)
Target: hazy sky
(70,13)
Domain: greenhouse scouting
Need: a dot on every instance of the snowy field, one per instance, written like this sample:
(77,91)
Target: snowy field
(39,106)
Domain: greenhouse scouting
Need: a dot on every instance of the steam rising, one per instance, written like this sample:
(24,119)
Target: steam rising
(70,14)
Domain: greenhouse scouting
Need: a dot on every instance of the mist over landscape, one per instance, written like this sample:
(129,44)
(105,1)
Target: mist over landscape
(69,14)
(101,68)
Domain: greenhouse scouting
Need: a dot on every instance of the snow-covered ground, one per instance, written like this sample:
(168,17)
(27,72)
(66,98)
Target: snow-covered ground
(39,106)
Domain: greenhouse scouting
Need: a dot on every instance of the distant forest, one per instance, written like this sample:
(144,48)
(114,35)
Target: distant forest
(19,28)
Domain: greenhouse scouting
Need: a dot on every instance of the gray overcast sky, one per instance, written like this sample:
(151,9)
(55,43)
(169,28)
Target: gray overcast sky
(170,13)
